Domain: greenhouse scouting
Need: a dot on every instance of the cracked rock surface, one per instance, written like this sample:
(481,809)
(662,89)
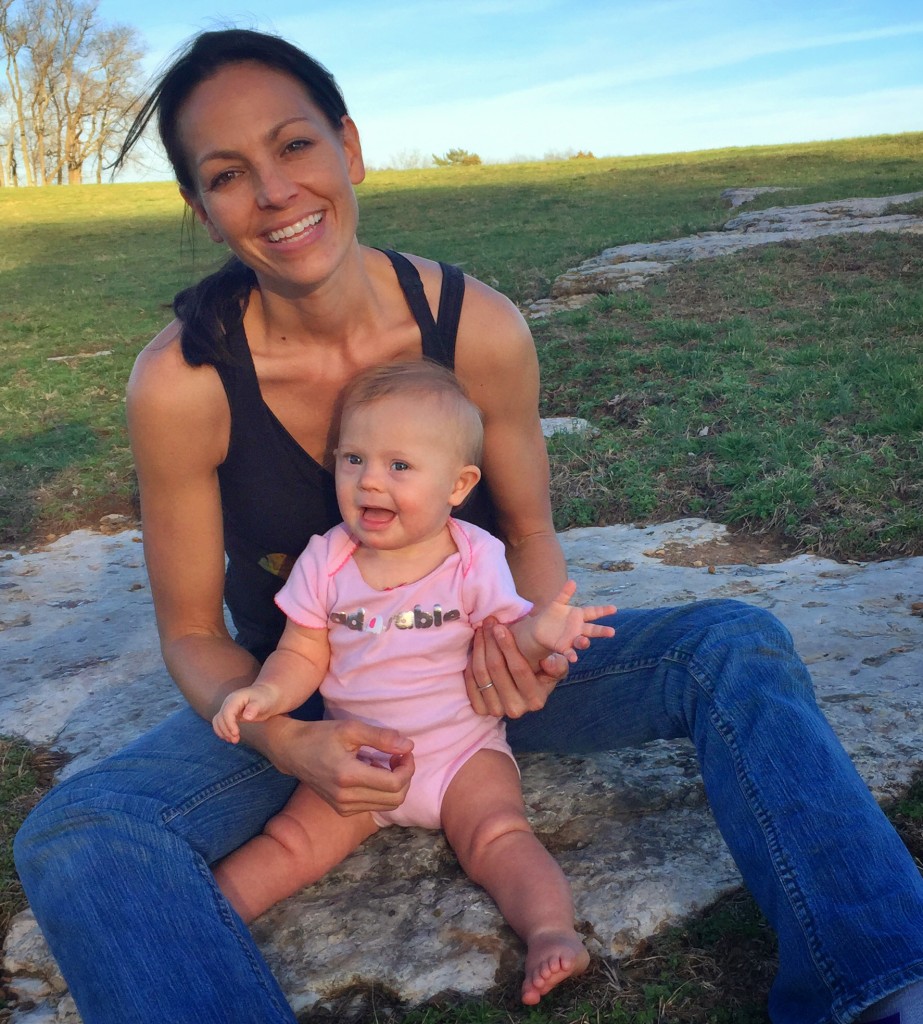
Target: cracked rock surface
(630,828)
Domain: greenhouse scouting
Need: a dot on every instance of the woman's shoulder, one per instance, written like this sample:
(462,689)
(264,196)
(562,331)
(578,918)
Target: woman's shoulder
(430,271)
(162,379)
(492,334)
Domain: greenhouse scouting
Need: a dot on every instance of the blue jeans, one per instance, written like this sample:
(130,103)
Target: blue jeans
(115,860)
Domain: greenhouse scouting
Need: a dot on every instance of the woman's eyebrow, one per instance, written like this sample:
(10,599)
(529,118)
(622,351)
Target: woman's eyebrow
(277,130)
(272,135)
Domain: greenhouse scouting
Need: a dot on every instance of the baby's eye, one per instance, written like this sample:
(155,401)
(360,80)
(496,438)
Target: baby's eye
(399,466)
(353,460)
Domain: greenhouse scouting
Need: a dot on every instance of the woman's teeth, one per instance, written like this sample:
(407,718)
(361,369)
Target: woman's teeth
(295,229)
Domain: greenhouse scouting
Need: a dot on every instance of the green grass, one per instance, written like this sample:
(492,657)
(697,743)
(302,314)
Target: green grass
(775,391)
(85,270)
(518,226)
(92,269)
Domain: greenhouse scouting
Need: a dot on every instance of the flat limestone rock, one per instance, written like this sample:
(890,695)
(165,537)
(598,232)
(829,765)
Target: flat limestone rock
(627,267)
(630,828)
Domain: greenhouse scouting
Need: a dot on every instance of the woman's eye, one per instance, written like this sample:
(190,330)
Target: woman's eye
(297,145)
(222,179)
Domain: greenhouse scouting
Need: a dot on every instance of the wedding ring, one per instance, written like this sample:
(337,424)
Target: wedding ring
(486,686)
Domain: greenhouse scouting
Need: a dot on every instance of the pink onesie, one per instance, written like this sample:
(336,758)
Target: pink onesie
(397,657)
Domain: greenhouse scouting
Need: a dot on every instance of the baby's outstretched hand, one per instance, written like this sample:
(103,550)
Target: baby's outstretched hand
(565,628)
(249,704)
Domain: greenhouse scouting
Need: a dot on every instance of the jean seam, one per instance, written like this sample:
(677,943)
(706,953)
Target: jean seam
(784,872)
(590,675)
(893,981)
(213,789)
(231,922)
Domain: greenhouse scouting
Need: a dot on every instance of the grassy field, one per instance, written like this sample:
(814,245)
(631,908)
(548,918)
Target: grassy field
(778,391)
(801,363)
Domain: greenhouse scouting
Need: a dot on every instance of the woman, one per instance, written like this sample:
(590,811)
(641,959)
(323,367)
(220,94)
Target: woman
(231,411)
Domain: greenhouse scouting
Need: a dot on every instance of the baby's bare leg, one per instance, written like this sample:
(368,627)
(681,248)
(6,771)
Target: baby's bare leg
(484,820)
(297,847)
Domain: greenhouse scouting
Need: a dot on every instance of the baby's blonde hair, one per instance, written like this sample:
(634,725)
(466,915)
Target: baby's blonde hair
(426,379)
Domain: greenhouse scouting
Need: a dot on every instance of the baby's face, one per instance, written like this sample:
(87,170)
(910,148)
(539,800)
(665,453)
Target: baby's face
(399,471)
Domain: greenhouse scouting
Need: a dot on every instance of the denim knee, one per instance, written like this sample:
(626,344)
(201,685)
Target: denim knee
(740,659)
(741,645)
(66,839)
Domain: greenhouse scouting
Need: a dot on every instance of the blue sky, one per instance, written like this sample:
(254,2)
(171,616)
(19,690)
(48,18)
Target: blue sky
(519,79)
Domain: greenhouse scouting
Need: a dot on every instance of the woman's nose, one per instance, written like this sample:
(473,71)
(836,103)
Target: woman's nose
(275,187)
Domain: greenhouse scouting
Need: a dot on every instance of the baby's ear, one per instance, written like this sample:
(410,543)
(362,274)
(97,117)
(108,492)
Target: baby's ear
(467,478)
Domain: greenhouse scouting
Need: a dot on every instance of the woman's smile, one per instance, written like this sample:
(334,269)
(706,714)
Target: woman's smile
(296,230)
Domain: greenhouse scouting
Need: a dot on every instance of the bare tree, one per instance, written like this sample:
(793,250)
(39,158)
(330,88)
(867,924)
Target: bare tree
(72,83)
(13,31)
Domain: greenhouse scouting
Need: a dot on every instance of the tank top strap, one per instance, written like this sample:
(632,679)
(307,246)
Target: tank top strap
(238,375)
(438,335)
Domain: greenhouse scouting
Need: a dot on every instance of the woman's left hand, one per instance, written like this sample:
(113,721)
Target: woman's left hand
(515,688)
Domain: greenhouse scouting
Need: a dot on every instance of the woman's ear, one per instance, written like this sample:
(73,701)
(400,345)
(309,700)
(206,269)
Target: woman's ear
(467,478)
(195,204)
(353,149)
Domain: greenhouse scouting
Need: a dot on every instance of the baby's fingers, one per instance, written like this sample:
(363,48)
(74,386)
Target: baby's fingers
(568,652)
(598,611)
(594,630)
(226,728)
(255,712)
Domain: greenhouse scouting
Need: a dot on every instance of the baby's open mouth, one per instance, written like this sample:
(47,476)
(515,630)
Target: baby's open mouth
(376,515)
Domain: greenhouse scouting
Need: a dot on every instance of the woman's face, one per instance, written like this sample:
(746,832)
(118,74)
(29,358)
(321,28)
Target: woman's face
(274,180)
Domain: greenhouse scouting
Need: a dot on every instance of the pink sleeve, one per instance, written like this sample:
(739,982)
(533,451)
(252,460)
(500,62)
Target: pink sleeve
(303,597)
(489,586)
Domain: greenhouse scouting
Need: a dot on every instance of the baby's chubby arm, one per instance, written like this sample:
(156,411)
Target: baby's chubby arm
(293,671)
(560,627)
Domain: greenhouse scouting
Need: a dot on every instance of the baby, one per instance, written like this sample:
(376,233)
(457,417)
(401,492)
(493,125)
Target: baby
(380,612)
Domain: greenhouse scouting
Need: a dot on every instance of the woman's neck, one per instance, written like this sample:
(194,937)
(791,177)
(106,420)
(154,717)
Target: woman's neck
(330,313)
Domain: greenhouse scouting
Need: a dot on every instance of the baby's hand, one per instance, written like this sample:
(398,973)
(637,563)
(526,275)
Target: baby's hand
(566,629)
(252,704)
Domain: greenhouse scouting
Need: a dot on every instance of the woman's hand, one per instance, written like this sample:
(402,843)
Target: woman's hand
(324,755)
(516,689)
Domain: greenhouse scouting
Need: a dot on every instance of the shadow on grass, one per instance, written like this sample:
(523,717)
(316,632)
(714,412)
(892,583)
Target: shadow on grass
(54,481)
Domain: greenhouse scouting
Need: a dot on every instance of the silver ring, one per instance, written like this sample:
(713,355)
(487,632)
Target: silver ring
(486,686)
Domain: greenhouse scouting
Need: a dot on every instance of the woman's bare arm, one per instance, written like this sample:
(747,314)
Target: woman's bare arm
(496,360)
(179,426)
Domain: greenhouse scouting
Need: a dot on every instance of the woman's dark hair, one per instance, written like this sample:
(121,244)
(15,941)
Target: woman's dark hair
(202,58)
(214,306)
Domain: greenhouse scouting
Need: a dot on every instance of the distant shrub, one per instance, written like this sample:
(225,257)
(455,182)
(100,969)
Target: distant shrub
(457,158)
(568,154)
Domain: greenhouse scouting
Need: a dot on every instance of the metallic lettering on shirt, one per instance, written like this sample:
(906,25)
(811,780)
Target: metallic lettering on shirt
(415,618)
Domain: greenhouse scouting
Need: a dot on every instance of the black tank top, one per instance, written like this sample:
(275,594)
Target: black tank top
(275,497)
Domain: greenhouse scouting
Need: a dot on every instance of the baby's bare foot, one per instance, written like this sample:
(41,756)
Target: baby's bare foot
(550,959)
